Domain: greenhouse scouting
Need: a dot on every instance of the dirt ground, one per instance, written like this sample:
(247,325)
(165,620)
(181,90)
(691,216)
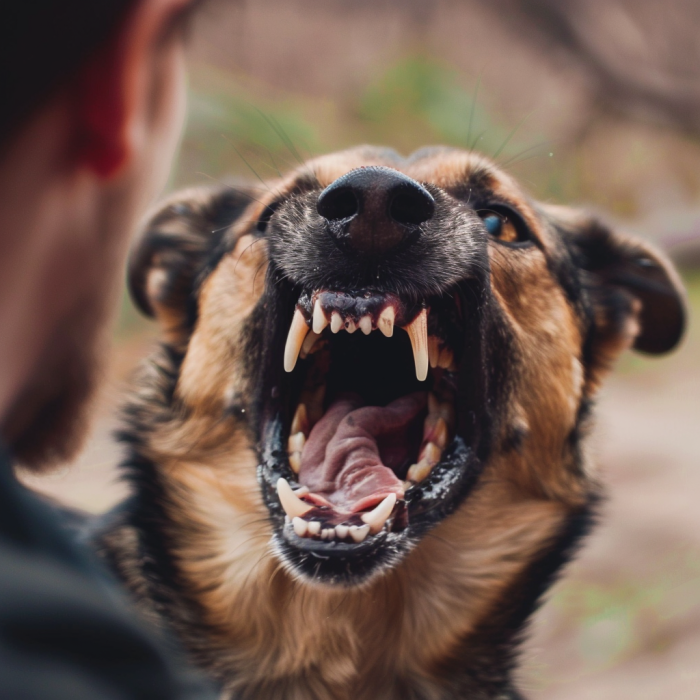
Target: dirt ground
(624,622)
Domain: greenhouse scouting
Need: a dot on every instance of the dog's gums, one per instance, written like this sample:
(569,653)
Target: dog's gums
(358,459)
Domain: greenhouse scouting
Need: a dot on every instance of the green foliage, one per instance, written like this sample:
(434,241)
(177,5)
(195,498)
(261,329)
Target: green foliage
(420,94)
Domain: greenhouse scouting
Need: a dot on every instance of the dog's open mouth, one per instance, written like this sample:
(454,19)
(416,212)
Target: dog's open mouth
(374,451)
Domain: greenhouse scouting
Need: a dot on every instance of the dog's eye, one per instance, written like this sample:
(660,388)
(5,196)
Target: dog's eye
(504,225)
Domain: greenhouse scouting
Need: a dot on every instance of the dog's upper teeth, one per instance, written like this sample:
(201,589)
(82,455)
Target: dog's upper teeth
(296,442)
(295,339)
(350,326)
(429,456)
(377,517)
(433,350)
(300,422)
(336,322)
(386,321)
(447,359)
(366,325)
(418,333)
(308,345)
(294,459)
(319,319)
(440,433)
(293,506)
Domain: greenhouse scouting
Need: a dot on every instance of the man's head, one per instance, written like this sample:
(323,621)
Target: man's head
(91,120)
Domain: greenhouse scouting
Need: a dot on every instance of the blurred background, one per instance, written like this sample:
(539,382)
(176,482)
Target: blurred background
(590,102)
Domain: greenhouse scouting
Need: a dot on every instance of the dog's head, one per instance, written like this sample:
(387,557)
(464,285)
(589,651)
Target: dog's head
(368,344)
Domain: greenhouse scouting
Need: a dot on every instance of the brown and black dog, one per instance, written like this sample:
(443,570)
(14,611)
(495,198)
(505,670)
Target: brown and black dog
(358,458)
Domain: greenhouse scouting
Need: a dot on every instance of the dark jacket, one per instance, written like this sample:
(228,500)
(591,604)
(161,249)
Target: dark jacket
(66,630)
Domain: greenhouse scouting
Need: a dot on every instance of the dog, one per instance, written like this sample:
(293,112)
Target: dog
(358,457)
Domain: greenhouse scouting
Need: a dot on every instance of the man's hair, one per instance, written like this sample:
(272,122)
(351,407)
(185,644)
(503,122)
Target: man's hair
(43,43)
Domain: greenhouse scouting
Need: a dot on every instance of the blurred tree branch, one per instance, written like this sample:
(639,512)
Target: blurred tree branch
(641,58)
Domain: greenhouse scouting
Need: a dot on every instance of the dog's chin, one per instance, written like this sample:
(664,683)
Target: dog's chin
(369,437)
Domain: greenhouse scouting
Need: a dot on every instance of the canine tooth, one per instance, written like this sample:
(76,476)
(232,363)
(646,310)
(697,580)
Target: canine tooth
(296,442)
(341,531)
(447,358)
(418,333)
(308,345)
(366,325)
(336,322)
(328,533)
(300,526)
(433,350)
(313,527)
(358,533)
(319,320)
(418,472)
(293,505)
(300,422)
(294,459)
(350,326)
(295,339)
(386,321)
(377,517)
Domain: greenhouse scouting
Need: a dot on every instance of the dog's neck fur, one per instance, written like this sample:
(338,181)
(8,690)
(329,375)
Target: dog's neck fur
(447,621)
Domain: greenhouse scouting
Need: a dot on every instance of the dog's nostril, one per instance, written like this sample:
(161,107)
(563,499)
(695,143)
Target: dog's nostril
(339,204)
(411,207)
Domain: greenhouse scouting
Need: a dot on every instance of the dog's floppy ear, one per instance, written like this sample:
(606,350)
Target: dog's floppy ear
(634,288)
(181,242)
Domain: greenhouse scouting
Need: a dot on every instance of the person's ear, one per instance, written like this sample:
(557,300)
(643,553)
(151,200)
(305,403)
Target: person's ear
(636,295)
(115,91)
(181,243)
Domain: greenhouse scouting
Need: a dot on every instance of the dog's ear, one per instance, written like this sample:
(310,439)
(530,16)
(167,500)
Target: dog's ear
(181,242)
(636,293)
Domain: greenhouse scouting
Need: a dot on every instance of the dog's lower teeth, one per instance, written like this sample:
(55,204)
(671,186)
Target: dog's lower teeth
(341,531)
(328,534)
(359,532)
(418,472)
(313,527)
(377,517)
(293,505)
(300,526)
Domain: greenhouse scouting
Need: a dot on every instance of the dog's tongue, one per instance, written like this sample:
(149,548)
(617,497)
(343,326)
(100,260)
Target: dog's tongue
(350,452)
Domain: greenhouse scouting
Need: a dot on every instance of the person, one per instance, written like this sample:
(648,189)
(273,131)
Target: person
(92,108)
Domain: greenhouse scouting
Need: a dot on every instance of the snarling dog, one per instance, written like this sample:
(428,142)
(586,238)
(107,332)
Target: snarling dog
(358,458)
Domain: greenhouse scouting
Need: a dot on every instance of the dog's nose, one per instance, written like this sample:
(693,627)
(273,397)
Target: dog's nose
(373,209)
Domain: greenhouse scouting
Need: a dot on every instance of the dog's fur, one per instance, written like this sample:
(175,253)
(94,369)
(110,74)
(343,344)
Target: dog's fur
(198,542)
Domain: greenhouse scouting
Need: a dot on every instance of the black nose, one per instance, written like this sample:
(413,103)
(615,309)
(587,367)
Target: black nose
(373,209)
